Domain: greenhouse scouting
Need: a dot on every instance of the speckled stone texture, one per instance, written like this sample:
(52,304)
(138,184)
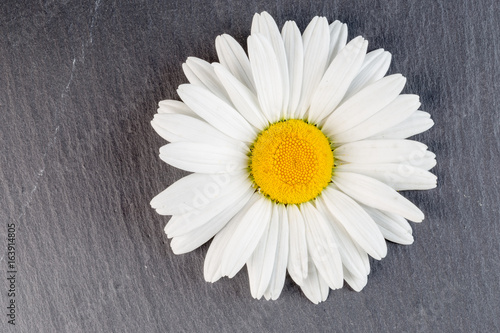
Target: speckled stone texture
(79,83)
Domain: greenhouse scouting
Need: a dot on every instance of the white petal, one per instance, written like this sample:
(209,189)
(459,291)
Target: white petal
(357,283)
(398,176)
(169,136)
(356,222)
(213,260)
(192,194)
(216,112)
(393,227)
(379,151)
(213,198)
(261,263)
(338,39)
(267,76)
(337,79)
(245,238)
(418,122)
(244,100)
(398,221)
(374,68)
(314,286)
(279,273)
(255,29)
(294,49)
(197,237)
(173,106)
(203,158)
(178,127)
(423,160)
(233,57)
(352,255)
(199,72)
(182,196)
(265,25)
(366,261)
(376,194)
(364,104)
(316,40)
(398,110)
(297,256)
(322,247)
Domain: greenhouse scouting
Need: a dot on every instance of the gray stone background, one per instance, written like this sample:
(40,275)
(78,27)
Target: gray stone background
(79,83)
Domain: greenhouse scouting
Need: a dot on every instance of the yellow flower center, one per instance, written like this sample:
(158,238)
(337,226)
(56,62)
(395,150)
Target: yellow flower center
(291,162)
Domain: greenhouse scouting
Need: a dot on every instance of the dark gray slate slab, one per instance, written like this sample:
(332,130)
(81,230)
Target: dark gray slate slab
(79,83)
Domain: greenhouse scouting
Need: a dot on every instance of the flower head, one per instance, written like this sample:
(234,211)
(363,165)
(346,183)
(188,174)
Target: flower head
(297,152)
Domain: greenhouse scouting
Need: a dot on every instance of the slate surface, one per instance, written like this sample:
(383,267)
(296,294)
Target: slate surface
(79,83)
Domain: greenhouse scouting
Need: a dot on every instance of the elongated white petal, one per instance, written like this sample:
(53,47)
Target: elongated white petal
(297,256)
(398,110)
(366,261)
(351,254)
(178,127)
(379,151)
(316,40)
(398,176)
(399,221)
(245,238)
(261,263)
(255,28)
(267,76)
(233,57)
(244,100)
(213,260)
(199,72)
(337,79)
(279,272)
(386,151)
(322,247)
(183,195)
(376,194)
(314,286)
(266,26)
(423,160)
(338,39)
(393,227)
(173,106)
(217,112)
(294,50)
(215,200)
(356,282)
(202,157)
(199,236)
(356,222)
(191,202)
(364,104)
(374,68)
(418,122)
(169,136)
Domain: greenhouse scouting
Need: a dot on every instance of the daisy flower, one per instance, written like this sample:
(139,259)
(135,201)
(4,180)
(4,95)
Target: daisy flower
(297,151)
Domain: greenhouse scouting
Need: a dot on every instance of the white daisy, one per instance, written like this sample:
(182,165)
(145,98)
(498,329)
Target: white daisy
(297,152)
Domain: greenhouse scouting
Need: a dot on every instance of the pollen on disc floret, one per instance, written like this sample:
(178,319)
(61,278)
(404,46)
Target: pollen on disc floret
(291,162)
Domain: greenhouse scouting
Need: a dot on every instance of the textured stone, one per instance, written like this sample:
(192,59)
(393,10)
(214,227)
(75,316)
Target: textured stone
(79,83)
